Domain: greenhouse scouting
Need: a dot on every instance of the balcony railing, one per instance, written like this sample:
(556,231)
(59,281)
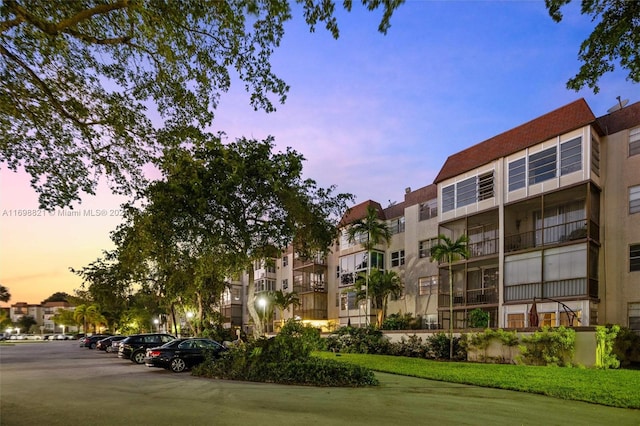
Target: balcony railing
(570,231)
(307,287)
(481,296)
(315,260)
(483,248)
(575,287)
(311,314)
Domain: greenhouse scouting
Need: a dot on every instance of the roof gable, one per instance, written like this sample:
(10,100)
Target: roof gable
(359,211)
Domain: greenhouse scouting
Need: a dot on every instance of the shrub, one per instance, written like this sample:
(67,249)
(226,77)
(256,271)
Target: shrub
(605,339)
(365,340)
(402,322)
(548,347)
(481,341)
(411,348)
(478,318)
(438,347)
(627,347)
(284,359)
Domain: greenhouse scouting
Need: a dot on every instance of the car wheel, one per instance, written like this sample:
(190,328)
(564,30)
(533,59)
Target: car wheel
(93,346)
(178,365)
(138,357)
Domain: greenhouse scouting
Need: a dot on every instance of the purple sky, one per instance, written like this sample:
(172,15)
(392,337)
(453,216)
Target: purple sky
(372,114)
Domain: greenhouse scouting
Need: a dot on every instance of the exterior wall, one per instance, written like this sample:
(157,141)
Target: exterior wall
(619,287)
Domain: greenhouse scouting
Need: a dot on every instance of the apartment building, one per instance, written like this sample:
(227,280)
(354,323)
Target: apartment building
(552,212)
(43,314)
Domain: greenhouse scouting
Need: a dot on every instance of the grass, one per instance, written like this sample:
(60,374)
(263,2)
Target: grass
(615,388)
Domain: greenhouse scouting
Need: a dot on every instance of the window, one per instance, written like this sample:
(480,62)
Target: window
(466,192)
(595,155)
(397,258)
(430,321)
(428,286)
(396,225)
(571,156)
(547,319)
(285,284)
(424,247)
(428,210)
(285,260)
(448,198)
(570,319)
(485,186)
(515,320)
(542,165)
(634,141)
(634,257)
(634,316)
(517,172)
(634,199)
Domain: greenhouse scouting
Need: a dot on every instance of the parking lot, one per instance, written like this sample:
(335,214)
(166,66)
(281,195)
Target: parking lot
(59,383)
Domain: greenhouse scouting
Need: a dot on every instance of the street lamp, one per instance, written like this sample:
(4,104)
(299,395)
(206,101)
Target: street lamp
(157,323)
(263,302)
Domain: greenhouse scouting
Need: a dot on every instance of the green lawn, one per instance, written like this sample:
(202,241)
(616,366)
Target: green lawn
(616,388)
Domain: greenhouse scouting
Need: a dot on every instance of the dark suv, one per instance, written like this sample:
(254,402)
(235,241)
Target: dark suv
(134,347)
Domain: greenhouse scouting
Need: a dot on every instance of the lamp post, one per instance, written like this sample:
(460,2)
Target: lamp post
(263,302)
(156,321)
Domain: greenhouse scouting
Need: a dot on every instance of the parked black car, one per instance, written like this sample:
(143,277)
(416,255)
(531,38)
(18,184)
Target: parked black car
(106,344)
(134,347)
(181,354)
(91,341)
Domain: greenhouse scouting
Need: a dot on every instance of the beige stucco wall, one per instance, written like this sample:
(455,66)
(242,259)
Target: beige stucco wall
(618,286)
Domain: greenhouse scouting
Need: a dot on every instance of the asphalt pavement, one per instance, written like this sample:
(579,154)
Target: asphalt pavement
(59,383)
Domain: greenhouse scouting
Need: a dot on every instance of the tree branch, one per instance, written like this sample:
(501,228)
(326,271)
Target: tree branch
(43,86)
(55,29)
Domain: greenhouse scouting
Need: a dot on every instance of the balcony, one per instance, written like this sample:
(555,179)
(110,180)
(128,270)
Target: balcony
(310,286)
(485,296)
(557,234)
(299,263)
(487,247)
(575,287)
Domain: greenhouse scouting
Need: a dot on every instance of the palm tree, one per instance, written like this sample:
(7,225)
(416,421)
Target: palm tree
(88,314)
(382,284)
(80,315)
(377,232)
(284,300)
(449,251)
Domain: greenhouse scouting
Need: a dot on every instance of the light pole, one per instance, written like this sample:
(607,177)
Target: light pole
(156,321)
(263,302)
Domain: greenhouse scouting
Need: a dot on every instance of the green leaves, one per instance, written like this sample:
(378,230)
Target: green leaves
(79,81)
(614,41)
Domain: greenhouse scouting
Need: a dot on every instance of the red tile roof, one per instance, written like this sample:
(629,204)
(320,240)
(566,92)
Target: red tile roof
(621,119)
(359,211)
(421,195)
(565,119)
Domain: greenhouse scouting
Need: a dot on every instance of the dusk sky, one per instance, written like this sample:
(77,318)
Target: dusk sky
(372,114)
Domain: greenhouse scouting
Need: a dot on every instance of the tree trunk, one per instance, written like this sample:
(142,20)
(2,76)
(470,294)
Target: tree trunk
(251,305)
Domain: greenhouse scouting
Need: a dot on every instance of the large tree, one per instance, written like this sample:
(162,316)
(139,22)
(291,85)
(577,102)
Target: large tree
(448,251)
(370,231)
(79,80)
(5,296)
(216,209)
(615,39)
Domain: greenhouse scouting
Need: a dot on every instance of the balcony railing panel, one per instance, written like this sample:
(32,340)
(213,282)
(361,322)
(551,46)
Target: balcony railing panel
(575,287)
(307,287)
(483,248)
(482,296)
(570,231)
